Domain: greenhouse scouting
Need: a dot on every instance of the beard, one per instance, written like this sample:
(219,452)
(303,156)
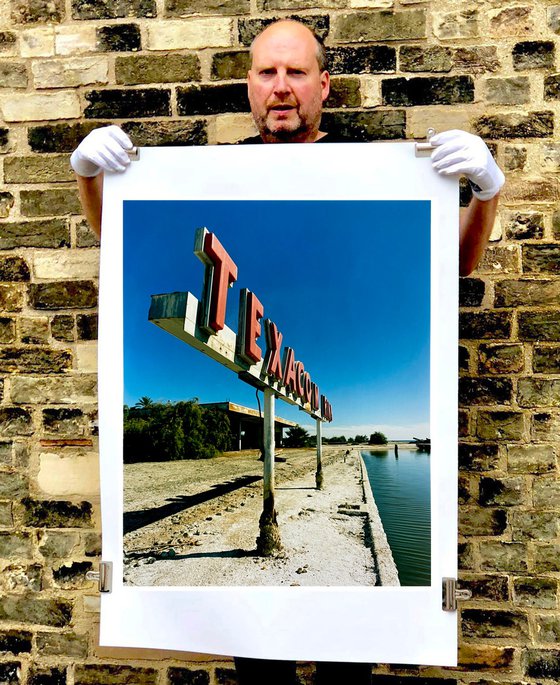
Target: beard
(283,131)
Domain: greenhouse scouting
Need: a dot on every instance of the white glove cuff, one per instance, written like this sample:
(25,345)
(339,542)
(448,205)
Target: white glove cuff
(489,193)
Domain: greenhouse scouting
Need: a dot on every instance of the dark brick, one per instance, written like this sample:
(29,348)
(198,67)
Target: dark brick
(233,64)
(533,54)
(371,59)
(63,644)
(92,545)
(502,492)
(226,676)
(515,125)
(64,421)
(119,38)
(15,421)
(59,137)
(541,259)
(500,260)
(344,92)
(6,204)
(481,658)
(373,25)
(500,425)
(465,554)
(492,623)
(463,490)
(503,556)
(157,69)
(167,133)
(48,233)
(63,295)
(112,9)
(106,674)
(10,672)
(434,58)
(476,521)
(525,225)
(35,203)
(13,75)
(366,126)
(185,676)
(7,41)
(541,326)
(540,663)
(119,104)
(87,326)
(56,514)
(15,642)
(182,8)
(546,359)
(402,92)
(38,11)
(546,426)
(493,588)
(464,358)
(212,99)
(11,297)
(498,358)
(13,269)
(484,325)
(72,576)
(51,676)
(38,169)
(515,158)
(62,328)
(36,610)
(463,421)
(471,292)
(526,292)
(480,457)
(552,87)
(474,391)
(250,28)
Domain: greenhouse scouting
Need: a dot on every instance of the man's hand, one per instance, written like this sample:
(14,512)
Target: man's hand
(104,149)
(459,152)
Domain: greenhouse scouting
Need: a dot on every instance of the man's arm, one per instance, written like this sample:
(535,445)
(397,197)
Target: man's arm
(475,226)
(91,194)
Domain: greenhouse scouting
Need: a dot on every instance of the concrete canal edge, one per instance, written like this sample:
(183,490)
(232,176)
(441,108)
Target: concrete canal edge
(386,567)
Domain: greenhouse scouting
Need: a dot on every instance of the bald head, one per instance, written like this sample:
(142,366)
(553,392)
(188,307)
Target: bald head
(297,27)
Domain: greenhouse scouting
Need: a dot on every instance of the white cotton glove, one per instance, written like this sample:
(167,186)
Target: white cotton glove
(104,149)
(459,152)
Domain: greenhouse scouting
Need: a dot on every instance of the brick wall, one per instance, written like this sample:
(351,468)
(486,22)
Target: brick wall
(171,72)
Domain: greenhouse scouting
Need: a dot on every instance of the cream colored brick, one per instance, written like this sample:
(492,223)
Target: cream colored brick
(63,476)
(40,106)
(68,73)
(190,34)
(86,356)
(92,604)
(71,40)
(374,4)
(371,95)
(72,264)
(37,42)
(420,120)
(497,231)
(67,389)
(230,128)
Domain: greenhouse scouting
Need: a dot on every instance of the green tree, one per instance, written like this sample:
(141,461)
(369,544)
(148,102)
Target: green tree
(377,438)
(360,438)
(296,437)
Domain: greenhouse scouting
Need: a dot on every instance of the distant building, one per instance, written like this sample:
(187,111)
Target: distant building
(246,425)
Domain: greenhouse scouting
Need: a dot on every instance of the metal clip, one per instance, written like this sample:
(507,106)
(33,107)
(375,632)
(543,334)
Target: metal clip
(425,149)
(104,576)
(134,154)
(451,594)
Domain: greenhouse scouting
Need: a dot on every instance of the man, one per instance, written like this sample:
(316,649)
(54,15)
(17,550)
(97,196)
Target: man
(287,85)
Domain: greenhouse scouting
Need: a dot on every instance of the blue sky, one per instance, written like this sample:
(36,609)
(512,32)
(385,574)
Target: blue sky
(347,284)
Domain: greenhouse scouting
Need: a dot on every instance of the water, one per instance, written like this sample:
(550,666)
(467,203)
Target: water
(401,488)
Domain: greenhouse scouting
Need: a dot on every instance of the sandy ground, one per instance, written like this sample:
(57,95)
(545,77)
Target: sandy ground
(195,523)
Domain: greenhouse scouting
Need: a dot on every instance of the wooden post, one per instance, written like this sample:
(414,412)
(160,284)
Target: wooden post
(319,472)
(268,541)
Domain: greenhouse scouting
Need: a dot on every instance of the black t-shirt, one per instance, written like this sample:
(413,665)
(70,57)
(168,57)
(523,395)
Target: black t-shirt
(328,138)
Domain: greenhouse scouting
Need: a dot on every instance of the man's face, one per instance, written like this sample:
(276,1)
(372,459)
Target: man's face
(286,88)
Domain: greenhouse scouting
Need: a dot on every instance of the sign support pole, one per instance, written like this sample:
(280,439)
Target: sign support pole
(319,472)
(268,541)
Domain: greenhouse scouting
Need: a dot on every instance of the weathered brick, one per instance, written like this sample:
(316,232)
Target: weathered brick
(494,623)
(539,326)
(546,492)
(465,555)
(547,558)
(498,358)
(119,38)
(500,425)
(493,588)
(70,73)
(503,556)
(533,54)
(364,126)
(546,358)
(230,65)
(522,225)
(15,642)
(71,575)
(7,329)
(474,391)
(62,644)
(11,297)
(530,458)
(13,269)
(477,521)
(541,190)
(380,26)
(6,521)
(186,676)
(538,392)
(34,169)
(64,422)
(534,525)
(6,204)
(463,24)
(551,157)
(464,358)
(8,40)
(250,28)
(34,359)
(15,421)
(481,457)
(477,59)
(479,657)
(67,264)
(106,674)
(13,75)
(546,426)
(433,58)
(471,292)
(540,663)
(167,133)
(49,202)
(119,104)
(4,139)
(37,42)
(113,9)
(507,91)
(478,325)
(463,492)
(501,491)
(157,69)
(449,90)
(500,260)
(62,327)
(511,21)
(371,59)
(56,514)
(515,157)
(184,8)
(463,423)
(190,34)
(87,326)
(515,125)
(344,92)
(46,676)
(10,672)
(15,546)
(92,545)
(38,11)
(59,137)
(12,485)
(547,628)
(212,99)
(36,610)
(40,106)
(85,237)
(63,295)
(541,259)
(525,292)
(54,544)
(34,330)
(21,578)
(226,676)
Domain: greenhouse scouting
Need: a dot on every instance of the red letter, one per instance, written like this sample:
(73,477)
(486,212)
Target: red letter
(274,343)
(289,369)
(314,396)
(307,387)
(251,312)
(299,373)
(223,272)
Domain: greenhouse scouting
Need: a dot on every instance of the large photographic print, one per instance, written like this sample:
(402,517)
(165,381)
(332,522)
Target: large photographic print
(347,287)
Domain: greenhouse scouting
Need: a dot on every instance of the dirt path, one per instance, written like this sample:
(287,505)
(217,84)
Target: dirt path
(211,541)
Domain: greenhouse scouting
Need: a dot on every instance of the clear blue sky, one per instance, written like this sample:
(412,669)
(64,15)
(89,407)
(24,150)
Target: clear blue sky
(347,284)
